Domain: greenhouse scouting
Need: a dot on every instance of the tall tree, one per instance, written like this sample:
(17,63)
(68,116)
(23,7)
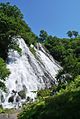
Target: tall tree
(69,33)
(75,33)
(43,35)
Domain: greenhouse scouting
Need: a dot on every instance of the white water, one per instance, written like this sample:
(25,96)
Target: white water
(28,73)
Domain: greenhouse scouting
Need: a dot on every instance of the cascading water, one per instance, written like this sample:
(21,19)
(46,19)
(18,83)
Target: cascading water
(29,73)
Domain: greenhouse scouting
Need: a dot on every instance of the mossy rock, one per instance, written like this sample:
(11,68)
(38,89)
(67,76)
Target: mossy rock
(22,94)
(33,51)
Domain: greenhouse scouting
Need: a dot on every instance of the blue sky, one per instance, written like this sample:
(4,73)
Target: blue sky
(54,16)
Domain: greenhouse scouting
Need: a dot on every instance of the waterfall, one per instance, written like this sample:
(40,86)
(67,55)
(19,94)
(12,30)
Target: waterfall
(29,73)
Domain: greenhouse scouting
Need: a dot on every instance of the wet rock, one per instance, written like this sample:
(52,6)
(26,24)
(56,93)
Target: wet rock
(2,98)
(14,91)
(22,94)
(28,98)
(11,99)
(18,98)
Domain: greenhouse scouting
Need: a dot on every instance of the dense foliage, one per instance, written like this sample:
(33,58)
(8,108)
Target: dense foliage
(11,25)
(64,105)
(4,72)
(67,52)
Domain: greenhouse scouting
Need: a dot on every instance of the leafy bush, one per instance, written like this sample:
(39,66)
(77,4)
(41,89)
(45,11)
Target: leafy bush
(64,105)
(43,93)
(4,73)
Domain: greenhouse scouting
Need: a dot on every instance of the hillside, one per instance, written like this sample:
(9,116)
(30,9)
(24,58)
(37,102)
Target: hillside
(33,66)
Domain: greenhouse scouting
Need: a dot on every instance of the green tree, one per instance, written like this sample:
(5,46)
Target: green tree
(43,36)
(75,33)
(12,25)
(69,33)
(9,10)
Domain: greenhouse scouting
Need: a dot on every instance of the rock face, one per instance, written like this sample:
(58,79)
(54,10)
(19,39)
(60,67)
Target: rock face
(29,73)
(8,116)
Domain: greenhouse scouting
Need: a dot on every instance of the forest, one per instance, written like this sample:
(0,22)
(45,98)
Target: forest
(61,101)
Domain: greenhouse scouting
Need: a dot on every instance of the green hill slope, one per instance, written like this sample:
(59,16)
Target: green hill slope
(64,105)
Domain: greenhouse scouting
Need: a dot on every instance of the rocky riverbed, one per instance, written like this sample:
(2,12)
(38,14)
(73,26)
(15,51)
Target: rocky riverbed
(8,116)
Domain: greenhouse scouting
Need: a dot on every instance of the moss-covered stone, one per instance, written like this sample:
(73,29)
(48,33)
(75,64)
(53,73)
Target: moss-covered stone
(22,94)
